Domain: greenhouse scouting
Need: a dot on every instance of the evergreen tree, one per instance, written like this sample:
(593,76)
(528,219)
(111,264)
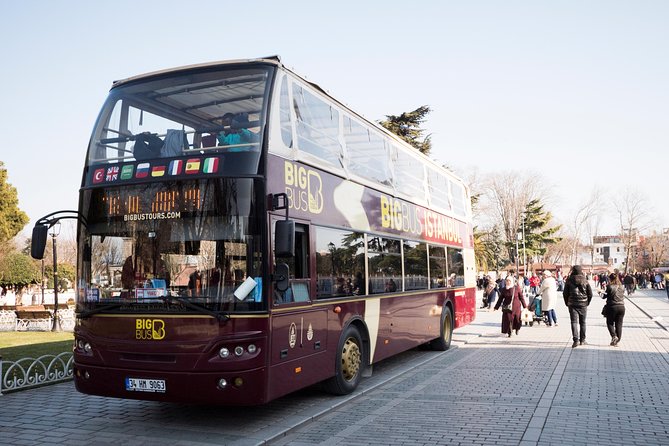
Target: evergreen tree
(12,219)
(17,269)
(407,126)
(537,235)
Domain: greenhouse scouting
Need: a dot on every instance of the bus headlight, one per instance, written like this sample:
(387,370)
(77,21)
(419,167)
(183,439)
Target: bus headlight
(224,353)
(251,348)
(222,383)
(239,350)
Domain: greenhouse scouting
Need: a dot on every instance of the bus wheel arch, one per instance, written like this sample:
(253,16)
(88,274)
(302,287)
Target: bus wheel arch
(350,359)
(443,342)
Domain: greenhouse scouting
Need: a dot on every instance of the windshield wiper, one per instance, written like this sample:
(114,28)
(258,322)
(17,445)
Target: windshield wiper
(88,313)
(219,315)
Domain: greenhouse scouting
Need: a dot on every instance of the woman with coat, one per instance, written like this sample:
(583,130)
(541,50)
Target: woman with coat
(548,291)
(615,308)
(512,297)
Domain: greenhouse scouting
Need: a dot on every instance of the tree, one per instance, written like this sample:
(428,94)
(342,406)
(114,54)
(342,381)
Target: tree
(18,270)
(12,219)
(487,249)
(66,275)
(537,233)
(506,196)
(630,206)
(586,220)
(407,126)
(652,251)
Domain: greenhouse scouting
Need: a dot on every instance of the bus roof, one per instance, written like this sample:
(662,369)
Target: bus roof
(272,60)
(275,60)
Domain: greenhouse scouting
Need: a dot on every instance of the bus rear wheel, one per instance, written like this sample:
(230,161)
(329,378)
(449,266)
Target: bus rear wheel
(443,342)
(348,366)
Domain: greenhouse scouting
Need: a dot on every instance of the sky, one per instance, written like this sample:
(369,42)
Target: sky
(576,91)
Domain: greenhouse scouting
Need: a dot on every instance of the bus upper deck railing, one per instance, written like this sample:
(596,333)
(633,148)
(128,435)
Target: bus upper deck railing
(190,151)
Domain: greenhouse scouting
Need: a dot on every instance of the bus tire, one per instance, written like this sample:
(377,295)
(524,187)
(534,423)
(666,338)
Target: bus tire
(348,363)
(443,342)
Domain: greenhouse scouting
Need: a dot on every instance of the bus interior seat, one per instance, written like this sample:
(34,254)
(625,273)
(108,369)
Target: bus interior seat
(209,141)
(175,143)
(300,291)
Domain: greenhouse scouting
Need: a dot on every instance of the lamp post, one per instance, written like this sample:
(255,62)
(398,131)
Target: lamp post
(55,230)
(43,284)
(524,252)
(518,236)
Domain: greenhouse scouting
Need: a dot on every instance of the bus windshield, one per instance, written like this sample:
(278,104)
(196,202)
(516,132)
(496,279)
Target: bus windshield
(208,112)
(171,246)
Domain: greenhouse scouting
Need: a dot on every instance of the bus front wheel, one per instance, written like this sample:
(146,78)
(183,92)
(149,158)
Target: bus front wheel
(443,342)
(348,365)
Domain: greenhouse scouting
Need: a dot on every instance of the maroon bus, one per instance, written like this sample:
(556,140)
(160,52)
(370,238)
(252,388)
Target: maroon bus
(243,235)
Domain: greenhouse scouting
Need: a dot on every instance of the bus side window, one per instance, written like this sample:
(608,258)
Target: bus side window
(301,267)
(298,267)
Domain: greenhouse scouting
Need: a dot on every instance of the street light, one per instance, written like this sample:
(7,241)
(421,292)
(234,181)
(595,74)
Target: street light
(55,230)
(524,252)
(518,236)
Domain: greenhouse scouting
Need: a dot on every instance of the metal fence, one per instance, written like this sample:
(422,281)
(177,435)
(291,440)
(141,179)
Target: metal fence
(27,373)
(10,322)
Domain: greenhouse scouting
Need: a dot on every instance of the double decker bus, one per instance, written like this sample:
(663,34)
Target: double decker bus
(242,235)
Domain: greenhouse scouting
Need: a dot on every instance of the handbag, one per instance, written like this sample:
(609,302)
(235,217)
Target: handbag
(509,307)
(605,310)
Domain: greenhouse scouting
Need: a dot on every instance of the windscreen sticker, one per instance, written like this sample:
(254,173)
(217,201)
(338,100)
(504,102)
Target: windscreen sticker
(156,169)
(151,216)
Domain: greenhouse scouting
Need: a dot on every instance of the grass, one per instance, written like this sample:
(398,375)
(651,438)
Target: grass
(15,345)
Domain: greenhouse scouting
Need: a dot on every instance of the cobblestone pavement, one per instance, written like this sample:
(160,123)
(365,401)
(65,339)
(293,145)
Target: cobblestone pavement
(529,389)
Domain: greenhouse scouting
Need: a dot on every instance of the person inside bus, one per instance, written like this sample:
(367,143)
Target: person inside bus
(195,283)
(359,284)
(128,274)
(237,132)
(340,288)
(391,286)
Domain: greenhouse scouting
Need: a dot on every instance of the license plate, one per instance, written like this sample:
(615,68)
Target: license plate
(145,385)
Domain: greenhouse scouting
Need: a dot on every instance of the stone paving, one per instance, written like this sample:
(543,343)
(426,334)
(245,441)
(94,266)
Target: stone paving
(529,389)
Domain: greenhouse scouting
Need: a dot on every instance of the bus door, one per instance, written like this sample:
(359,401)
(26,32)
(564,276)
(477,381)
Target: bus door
(299,330)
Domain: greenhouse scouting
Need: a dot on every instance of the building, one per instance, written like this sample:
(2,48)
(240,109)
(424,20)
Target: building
(610,250)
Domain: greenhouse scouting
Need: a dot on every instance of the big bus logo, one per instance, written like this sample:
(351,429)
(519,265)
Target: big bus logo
(304,188)
(149,329)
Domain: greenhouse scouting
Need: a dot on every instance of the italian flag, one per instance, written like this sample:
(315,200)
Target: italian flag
(210,165)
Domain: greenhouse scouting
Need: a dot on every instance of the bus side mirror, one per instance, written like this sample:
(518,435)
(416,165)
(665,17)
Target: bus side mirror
(281,273)
(284,238)
(38,242)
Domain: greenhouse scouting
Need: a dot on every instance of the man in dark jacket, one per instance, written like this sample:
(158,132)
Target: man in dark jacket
(577,296)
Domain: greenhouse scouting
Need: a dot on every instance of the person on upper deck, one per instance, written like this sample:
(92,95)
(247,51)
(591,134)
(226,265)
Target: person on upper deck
(237,131)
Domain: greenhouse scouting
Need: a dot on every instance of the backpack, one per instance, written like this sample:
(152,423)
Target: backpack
(147,146)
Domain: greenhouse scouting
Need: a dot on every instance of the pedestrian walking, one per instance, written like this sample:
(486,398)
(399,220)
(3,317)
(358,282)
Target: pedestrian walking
(535,281)
(666,283)
(491,292)
(614,310)
(630,284)
(510,300)
(548,291)
(577,296)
